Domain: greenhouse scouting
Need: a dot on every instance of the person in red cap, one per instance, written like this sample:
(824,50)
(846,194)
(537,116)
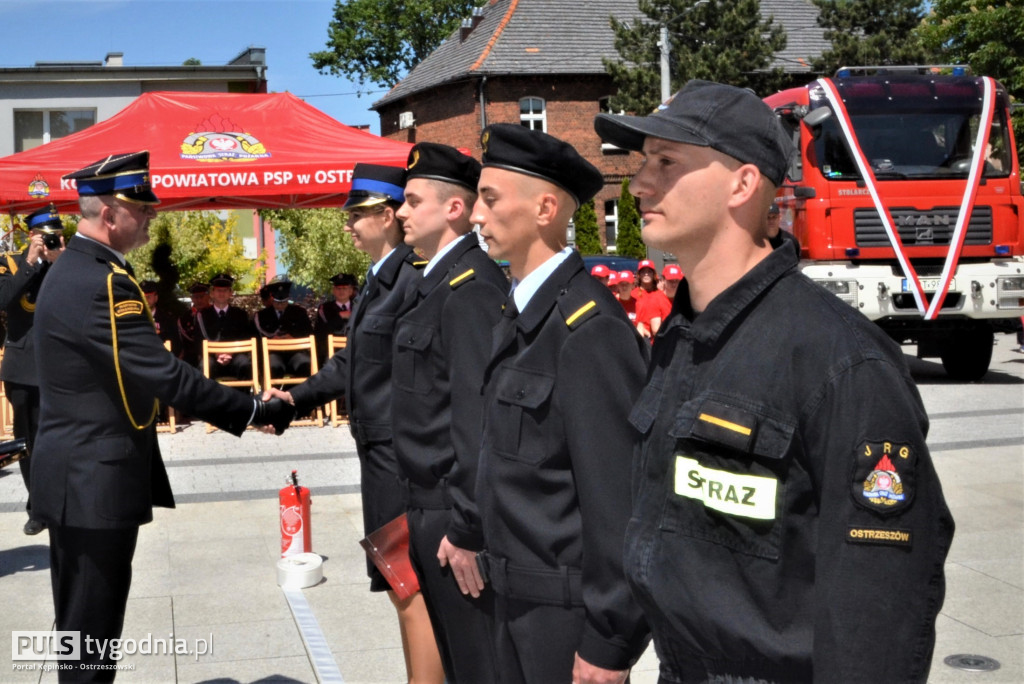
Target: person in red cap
(671,276)
(613,281)
(624,293)
(654,307)
(647,277)
(601,272)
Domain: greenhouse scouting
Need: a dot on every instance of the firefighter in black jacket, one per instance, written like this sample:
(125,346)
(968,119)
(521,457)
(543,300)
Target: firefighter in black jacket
(442,343)
(21,275)
(284,320)
(565,367)
(223,322)
(788,525)
(334,315)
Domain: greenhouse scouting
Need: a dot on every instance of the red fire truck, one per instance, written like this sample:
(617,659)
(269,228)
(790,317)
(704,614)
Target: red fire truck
(906,200)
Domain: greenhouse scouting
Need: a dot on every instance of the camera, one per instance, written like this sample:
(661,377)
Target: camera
(51,240)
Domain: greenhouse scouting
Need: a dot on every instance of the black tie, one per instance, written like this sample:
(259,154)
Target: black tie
(222,313)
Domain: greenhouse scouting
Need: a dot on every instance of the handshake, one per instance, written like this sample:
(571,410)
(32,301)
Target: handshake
(274,412)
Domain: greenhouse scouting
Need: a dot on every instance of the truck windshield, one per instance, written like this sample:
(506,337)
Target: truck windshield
(912,130)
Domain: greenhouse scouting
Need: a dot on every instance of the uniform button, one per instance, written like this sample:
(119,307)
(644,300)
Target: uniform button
(520,394)
(410,340)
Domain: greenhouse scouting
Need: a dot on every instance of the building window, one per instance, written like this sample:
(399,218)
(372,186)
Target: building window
(532,114)
(611,223)
(33,127)
(605,105)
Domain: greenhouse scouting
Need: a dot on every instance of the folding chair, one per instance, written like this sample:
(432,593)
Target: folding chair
(306,344)
(171,424)
(6,410)
(337,407)
(237,347)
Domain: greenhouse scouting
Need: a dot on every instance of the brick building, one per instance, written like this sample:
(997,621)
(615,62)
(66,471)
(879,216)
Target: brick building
(539,63)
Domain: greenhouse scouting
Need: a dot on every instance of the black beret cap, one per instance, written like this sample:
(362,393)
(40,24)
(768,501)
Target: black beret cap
(125,176)
(517,148)
(46,220)
(344,279)
(732,120)
(222,280)
(375,184)
(443,163)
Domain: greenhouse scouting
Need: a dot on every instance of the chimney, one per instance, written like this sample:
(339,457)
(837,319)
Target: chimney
(114,59)
(470,23)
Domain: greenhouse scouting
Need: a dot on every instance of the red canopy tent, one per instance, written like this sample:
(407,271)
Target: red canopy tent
(208,151)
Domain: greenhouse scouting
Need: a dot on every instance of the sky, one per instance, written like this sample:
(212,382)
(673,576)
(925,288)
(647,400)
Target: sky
(167,32)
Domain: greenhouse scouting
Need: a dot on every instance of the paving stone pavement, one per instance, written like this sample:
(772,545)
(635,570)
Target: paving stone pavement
(205,572)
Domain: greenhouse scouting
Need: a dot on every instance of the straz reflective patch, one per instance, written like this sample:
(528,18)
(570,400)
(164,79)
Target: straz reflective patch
(877,535)
(747,496)
(128,308)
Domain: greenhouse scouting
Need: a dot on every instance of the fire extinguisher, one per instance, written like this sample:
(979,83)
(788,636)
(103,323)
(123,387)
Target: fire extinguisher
(294,501)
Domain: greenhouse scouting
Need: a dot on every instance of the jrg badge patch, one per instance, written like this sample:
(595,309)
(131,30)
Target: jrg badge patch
(884,476)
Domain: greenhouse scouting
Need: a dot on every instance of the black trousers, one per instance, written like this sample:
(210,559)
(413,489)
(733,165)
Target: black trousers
(535,643)
(295,364)
(239,367)
(462,624)
(382,496)
(25,405)
(91,574)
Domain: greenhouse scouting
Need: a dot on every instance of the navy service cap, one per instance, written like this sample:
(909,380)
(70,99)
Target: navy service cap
(199,288)
(516,148)
(374,184)
(45,220)
(344,279)
(732,120)
(125,176)
(279,288)
(222,280)
(148,286)
(443,163)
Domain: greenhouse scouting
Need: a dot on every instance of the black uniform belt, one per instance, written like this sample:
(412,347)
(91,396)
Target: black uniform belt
(431,498)
(549,586)
(369,433)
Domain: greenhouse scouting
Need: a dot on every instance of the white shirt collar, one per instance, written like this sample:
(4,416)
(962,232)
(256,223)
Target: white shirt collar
(440,254)
(120,256)
(524,290)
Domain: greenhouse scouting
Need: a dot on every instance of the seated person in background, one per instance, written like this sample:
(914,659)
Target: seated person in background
(222,322)
(163,318)
(188,328)
(283,320)
(333,315)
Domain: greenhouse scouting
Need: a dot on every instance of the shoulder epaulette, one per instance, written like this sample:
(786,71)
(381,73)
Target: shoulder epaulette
(462,278)
(117,269)
(416,260)
(420,263)
(584,313)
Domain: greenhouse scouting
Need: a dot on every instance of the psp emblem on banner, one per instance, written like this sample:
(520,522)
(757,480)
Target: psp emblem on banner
(219,139)
(39,187)
(883,478)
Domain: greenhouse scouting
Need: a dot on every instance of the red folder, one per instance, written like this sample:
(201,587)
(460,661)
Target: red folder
(388,548)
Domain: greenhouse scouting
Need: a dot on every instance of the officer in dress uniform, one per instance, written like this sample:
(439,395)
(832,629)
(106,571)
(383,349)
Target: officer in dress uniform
(442,342)
(788,522)
(165,320)
(21,275)
(333,316)
(224,322)
(554,473)
(97,470)
(362,373)
(188,324)
(283,320)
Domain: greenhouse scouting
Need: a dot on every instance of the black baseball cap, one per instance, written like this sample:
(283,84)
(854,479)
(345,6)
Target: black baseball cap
(732,120)
(516,148)
(443,163)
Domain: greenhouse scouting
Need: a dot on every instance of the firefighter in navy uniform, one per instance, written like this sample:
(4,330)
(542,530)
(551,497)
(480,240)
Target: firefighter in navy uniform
(188,324)
(21,275)
(224,322)
(284,320)
(442,343)
(555,463)
(333,316)
(361,372)
(97,470)
(166,321)
(788,522)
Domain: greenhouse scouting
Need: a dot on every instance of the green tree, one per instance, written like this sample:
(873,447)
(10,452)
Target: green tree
(588,241)
(380,40)
(627,239)
(871,32)
(202,245)
(191,61)
(718,40)
(316,246)
(988,37)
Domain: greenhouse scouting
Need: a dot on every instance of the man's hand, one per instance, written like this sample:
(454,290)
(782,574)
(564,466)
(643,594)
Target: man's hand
(224,359)
(36,249)
(585,673)
(464,568)
(269,394)
(276,412)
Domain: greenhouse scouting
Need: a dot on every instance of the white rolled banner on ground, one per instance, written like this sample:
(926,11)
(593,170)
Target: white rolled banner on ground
(300,571)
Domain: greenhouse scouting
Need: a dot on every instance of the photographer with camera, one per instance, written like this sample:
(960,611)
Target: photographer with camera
(21,274)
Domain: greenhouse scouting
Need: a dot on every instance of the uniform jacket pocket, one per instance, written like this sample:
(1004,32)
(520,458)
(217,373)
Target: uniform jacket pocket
(523,401)
(412,358)
(375,333)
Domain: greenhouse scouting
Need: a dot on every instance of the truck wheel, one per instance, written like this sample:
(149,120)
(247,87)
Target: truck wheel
(966,353)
